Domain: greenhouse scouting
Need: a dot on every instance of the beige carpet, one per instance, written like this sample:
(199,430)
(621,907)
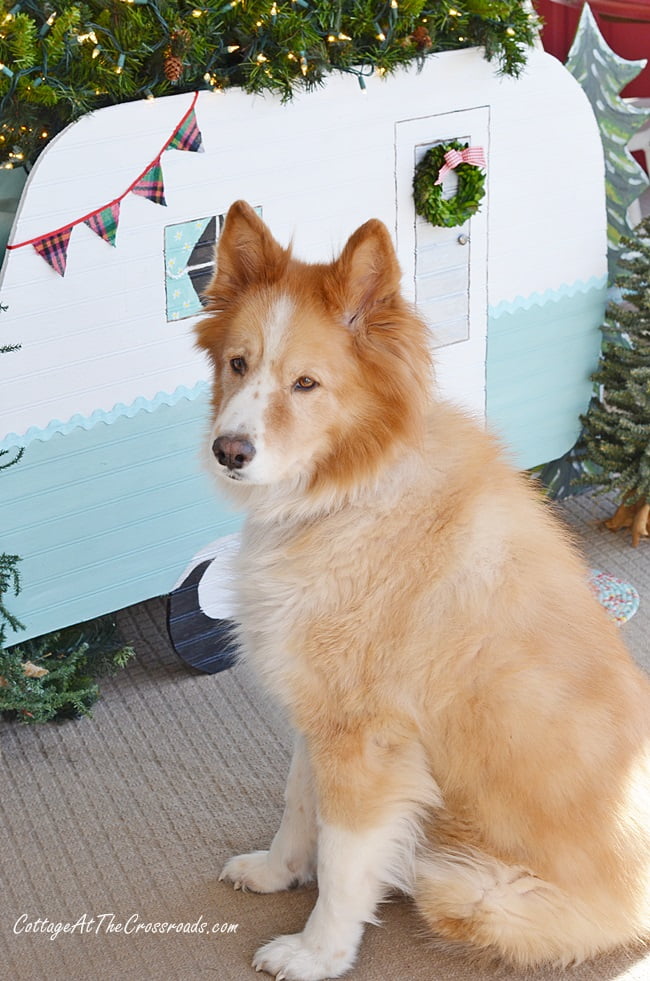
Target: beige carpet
(125,821)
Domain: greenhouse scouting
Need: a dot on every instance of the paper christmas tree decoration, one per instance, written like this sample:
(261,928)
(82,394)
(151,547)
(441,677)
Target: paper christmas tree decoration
(602,74)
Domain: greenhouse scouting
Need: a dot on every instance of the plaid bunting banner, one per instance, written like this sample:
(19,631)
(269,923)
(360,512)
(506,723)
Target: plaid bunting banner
(187,136)
(104,223)
(151,185)
(54,249)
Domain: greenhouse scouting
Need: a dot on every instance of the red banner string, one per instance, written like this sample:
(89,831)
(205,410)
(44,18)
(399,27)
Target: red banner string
(78,221)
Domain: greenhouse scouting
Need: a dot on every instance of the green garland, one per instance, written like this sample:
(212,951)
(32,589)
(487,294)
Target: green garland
(429,202)
(61,58)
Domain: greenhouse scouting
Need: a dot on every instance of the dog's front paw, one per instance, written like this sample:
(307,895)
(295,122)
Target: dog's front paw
(290,958)
(256,873)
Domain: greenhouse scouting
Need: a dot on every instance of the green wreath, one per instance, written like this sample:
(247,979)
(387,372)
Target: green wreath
(427,195)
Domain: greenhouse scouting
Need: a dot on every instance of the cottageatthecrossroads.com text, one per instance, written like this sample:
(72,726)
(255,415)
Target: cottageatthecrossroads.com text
(109,924)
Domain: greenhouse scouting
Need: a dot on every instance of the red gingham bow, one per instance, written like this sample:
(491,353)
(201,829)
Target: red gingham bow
(471,155)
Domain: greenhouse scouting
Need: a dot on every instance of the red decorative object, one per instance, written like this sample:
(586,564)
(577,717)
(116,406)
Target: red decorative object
(637,10)
(471,155)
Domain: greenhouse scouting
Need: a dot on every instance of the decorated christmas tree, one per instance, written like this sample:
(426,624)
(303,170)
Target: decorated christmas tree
(60,59)
(616,437)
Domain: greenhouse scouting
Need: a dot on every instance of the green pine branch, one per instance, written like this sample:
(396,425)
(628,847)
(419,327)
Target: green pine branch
(63,58)
(55,676)
(9,574)
(9,582)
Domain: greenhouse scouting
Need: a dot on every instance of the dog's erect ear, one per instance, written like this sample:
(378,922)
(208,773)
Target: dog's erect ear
(368,270)
(247,253)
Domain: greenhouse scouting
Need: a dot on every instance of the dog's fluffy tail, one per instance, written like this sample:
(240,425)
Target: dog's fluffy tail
(471,898)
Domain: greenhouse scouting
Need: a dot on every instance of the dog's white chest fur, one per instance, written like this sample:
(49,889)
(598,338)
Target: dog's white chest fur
(282,588)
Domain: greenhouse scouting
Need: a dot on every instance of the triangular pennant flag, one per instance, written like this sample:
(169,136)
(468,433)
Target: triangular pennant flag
(54,249)
(187,136)
(104,223)
(151,185)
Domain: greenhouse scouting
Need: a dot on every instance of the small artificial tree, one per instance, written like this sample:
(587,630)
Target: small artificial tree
(616,436)
(54,676)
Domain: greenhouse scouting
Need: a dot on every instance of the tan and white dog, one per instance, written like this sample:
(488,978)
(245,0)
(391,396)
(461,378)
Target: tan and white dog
(470,728)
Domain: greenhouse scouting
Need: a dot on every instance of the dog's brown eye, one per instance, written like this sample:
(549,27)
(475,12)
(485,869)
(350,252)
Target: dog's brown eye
(238,365)
(305,384)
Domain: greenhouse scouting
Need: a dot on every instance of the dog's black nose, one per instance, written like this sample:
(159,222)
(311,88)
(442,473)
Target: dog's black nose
(233,452)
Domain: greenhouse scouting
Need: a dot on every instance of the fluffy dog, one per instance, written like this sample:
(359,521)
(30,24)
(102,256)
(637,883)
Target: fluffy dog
(470,728)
